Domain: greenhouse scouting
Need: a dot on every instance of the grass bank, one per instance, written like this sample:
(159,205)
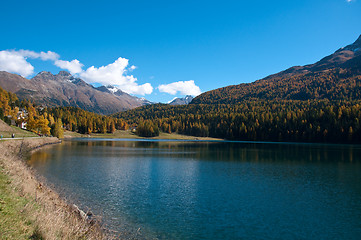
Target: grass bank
(127,134)
(6,131)
(31,210)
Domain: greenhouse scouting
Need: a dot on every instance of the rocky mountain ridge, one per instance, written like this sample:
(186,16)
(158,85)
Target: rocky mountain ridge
(181,101)
(63,89)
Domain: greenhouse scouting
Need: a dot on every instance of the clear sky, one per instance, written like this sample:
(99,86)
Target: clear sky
(166,49)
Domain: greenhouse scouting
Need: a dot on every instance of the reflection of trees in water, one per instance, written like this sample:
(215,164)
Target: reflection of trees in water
(39,157)
(247,152)
(144,144)
(292,153)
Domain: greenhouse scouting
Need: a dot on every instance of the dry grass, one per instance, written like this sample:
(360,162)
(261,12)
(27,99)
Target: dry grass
(70,134)
(44,212)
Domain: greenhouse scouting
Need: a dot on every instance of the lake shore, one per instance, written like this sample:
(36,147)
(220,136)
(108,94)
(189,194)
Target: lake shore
(127,134)
(29,209)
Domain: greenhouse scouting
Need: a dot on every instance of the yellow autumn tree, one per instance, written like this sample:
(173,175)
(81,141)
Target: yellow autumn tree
(30,123)
(42,125)
(58,129)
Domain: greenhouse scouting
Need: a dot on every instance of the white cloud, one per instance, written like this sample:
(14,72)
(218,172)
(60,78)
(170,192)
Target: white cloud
(350,1)
(115,74)
(73,67)
(143,89)
(132,68)
(13,62)
(112,74)
(183,87)
(45,56)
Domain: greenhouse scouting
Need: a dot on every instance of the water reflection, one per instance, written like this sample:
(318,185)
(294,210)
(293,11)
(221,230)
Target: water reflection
(212,190)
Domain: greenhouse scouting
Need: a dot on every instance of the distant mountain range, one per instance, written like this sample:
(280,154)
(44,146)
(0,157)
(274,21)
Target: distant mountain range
(63,89)
(335,77)
(181,101)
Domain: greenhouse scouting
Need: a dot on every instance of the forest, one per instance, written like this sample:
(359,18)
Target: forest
(267,120)
(52,121)
(296,105)
(334,84)
(316,120)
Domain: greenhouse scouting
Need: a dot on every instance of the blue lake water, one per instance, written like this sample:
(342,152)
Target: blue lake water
(211,190)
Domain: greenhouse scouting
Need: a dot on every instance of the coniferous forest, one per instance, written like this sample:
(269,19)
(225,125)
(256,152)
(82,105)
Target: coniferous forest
(299,121)
(314,103)
(315,120)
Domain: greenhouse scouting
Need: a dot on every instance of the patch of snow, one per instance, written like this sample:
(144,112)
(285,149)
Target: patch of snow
(112,89)
(141,99)
(172,100)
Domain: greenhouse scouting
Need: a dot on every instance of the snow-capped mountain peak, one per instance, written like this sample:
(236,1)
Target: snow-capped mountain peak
(112,89)
(172,100)
(181,101)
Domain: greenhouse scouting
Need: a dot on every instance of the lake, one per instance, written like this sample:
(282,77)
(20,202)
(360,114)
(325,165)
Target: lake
(211,190)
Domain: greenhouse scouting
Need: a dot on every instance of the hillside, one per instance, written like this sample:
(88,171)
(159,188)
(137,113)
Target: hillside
(320,102)
(63,89)
(6,131)
(335,77)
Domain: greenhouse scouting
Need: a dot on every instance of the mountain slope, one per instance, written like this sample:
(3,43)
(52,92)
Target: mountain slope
(334,77)
(313,103)
(63,89)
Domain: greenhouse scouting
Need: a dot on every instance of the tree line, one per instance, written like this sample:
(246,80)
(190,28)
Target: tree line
(78,120)
(324,120)
(260,120)
(53,121)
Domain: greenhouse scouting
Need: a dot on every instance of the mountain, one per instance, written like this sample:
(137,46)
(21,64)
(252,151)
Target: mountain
(117,92)
(335,77)
(319,102)
(63,89)
(181,101)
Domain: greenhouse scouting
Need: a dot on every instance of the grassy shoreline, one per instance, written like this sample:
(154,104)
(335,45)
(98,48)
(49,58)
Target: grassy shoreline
(127,134)
(31,210)
(6,131)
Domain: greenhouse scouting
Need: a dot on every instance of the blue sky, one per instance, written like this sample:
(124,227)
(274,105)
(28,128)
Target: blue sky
(177,47)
